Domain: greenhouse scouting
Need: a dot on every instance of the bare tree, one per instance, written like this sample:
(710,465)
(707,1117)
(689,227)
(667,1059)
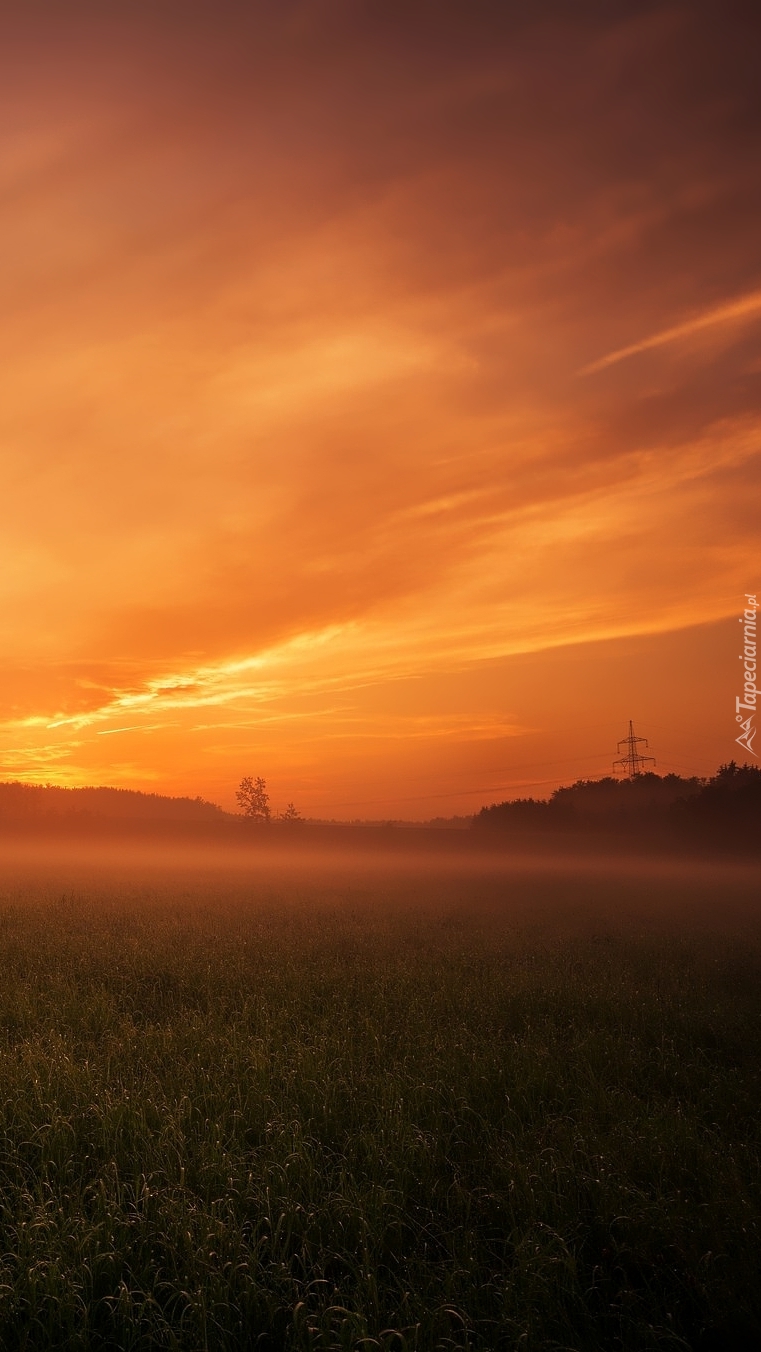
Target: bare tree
(253,799)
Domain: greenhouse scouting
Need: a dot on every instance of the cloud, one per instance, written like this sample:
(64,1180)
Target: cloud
(742,309)
(296,301)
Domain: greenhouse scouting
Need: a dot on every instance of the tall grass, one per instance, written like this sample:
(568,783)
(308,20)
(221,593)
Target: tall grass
(227,1127)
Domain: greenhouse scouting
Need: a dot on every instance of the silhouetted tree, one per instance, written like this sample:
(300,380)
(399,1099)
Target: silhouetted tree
(253,799)
(291,814)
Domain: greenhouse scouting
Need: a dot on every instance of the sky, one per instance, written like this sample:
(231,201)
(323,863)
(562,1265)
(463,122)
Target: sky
(381,394)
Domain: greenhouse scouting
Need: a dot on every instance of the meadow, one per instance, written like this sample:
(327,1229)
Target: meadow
(335,1102)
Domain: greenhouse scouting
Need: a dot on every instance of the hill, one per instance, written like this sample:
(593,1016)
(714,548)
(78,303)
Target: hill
(49,804)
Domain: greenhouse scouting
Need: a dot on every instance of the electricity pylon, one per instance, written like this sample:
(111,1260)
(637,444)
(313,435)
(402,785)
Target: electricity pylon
(632,762)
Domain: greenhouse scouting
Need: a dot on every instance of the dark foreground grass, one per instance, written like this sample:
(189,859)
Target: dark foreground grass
(229,1128)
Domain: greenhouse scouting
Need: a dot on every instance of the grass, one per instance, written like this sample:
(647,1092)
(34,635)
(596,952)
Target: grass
(312,1115)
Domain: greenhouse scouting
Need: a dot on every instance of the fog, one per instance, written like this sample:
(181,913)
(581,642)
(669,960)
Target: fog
(561,892)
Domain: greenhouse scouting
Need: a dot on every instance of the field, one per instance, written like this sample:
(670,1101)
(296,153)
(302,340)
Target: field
(336,1102)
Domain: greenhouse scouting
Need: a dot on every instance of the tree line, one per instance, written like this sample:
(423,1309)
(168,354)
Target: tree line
(726,806)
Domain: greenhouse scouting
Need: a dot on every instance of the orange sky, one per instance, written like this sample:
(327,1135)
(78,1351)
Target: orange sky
(381,394)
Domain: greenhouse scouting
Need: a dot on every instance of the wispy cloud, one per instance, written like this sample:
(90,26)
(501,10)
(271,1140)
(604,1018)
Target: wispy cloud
(290,447)
(735,311)
(133,727)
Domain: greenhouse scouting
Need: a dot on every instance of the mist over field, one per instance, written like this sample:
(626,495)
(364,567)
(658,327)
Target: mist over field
(339,1098)
(373,873)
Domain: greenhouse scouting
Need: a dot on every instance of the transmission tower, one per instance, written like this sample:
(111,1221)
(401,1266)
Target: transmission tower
(632,762)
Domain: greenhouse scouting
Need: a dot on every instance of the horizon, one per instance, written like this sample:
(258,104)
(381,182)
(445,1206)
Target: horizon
(383,396)
(312,820)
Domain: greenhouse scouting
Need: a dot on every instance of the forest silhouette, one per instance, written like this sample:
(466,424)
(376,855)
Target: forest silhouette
(722,811)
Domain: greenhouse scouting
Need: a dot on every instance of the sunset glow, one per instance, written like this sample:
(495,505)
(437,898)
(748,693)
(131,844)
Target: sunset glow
(381,395)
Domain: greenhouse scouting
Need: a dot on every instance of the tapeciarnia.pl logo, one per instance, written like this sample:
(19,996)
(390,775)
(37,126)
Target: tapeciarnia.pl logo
(747,701)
